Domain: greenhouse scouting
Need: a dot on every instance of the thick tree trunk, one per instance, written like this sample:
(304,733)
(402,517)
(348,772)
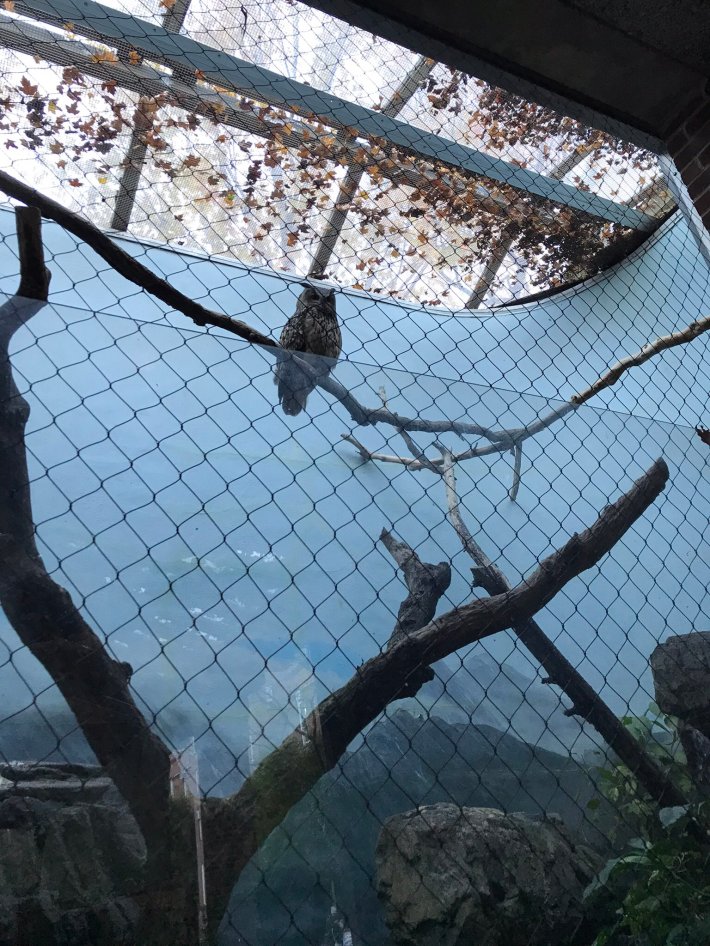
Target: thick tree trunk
(94,685)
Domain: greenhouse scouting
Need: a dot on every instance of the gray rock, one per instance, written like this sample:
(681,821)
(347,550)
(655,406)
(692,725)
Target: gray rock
(71,855)
(453,876)
(284,894)
(681,675)
(48,771)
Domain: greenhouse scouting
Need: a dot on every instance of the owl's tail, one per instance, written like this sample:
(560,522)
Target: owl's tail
(293,387)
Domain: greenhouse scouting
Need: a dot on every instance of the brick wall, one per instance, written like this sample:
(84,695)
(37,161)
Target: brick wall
(689,146)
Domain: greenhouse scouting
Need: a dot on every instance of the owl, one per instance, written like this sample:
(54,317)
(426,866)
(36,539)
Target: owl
(313,329)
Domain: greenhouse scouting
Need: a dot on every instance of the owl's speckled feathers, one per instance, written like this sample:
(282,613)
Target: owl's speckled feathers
(313,329)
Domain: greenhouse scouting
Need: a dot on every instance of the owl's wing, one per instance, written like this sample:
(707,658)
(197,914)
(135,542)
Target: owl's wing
(293,335)
(293,384)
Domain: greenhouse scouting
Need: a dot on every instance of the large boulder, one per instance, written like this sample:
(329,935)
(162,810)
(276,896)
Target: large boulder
(681,676)
(453,876)
(70,858)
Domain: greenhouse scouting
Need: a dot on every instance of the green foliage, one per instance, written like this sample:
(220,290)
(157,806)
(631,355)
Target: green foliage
(657,893)
(658,734)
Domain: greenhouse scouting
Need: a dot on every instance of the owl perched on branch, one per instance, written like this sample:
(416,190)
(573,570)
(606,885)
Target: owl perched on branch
(314,330)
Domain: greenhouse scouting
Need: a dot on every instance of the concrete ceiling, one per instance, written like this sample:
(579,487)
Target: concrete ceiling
(630,66)
(680,29)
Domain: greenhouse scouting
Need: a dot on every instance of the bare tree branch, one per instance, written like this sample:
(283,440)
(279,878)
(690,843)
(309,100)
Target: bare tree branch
(585,701)
(512,438)
(470,546)
(417,453)
(34,275)
(125,264)
(688,334)
(499,440)
(290,771)
(426,584)
(134,271)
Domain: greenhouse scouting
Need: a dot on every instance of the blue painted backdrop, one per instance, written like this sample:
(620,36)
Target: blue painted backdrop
(230,553)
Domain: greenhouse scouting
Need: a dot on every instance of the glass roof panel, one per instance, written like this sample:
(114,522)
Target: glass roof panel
(303,43)
(196,165)
(222,191)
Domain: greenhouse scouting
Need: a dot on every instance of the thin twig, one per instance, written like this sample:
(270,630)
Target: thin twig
(419,454)
(518,450)
(360,447)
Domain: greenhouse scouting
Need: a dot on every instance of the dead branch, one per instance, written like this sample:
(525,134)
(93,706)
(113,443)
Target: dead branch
(367,454)
(141,276)
(682,337)
(585,701)
(290,771)
(42,612)
(499,440)
(125,264)
(426,584)
(417,453)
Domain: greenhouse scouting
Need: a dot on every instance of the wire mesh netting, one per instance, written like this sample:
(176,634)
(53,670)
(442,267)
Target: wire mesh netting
(253,568)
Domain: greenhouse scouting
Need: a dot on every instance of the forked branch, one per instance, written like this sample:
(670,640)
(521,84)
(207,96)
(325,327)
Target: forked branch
(288,773)
(426,584)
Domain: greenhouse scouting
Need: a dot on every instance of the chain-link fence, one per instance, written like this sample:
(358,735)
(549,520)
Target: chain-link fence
(253,568)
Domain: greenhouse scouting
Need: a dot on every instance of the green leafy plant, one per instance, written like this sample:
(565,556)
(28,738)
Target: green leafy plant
(657,893)
(637,813)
